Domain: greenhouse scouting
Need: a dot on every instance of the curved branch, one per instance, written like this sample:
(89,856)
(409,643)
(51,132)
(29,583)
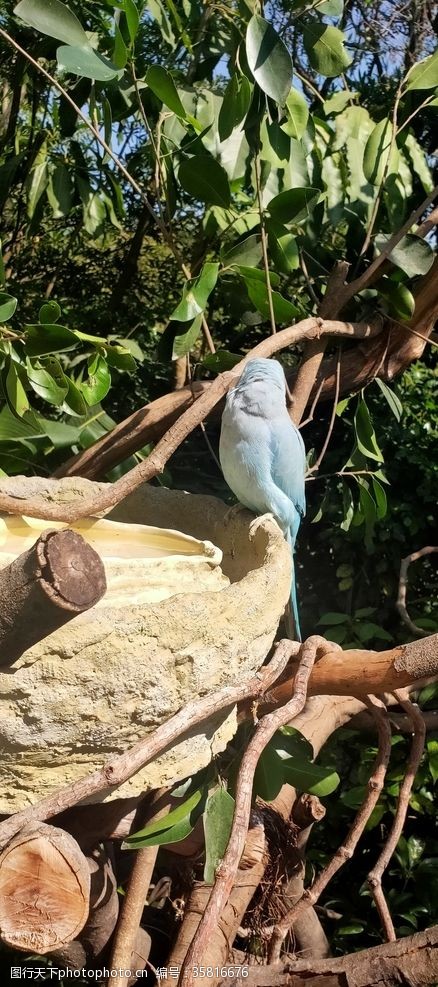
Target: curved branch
(156,461)
(400,605)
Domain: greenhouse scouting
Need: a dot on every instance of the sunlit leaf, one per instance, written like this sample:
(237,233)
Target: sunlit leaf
(53,18)
(218,819)
(8,304)
(196,294)
(412,254)
(87,63)
(268,59)
(297,115)
(162,84)
(325,48)
(423,75)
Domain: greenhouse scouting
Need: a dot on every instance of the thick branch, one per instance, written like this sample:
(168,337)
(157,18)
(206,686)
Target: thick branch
(41,590)
(385,357)
(155,463)
(413,961)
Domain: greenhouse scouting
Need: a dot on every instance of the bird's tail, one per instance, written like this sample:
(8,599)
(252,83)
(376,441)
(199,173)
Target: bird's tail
(292,619)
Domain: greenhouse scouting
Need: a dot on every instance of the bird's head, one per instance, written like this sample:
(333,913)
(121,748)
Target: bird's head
(263,371)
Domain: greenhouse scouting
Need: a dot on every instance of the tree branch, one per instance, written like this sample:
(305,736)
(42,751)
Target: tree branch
(412,960)
(156,461)
(400,605)
(44,588)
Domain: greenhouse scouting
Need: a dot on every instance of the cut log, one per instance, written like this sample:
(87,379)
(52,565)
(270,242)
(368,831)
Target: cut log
(44,890)
(44,588)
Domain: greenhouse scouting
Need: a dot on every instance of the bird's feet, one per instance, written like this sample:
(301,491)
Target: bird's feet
(258,521)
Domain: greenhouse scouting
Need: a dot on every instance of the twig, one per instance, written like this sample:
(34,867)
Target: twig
(156,461)
(133,904)
(344,852)
(314,350)
(264,243)
(310,287)
(315,468)
(227,869)
(400,605)
(314,404)
(123,766)
(417,747)
(364,279)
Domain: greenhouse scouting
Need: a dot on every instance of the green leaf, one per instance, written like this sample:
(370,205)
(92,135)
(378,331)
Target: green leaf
(171,828)
(348,507)
(377,152)
(49,312)
(53,18)
(218,819)
(325,48)
(297,115)
(235,105)
(419,162)
(283,248)
(268,775)
(196,294)
(183,342)
(205,179)
(338,102)
(48,339)
(15,392)
(74,402)
(221,360)
(98,382)
(401,302)
(132,18)
(284,310)
(380,498)
(86,62)
(247,252)
(120,357)
(391,397)
(59,191)
(368,509)
(423,75)
(293,205)
(310,778)
(2,268)
(331,619)
(38,181)
(8,304)
(365,435)
(47,379)
(330,8)
(413,255)
(120,52)
(160,81)
(268,59)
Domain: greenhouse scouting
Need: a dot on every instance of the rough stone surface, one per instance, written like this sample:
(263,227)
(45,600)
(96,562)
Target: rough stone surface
(114,674)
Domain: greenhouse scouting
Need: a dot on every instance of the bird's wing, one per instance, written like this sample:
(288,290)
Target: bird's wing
(288,461)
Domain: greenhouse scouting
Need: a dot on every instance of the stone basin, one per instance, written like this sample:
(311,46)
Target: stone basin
(113,674)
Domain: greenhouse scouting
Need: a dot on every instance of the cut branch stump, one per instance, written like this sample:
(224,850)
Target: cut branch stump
(44,588)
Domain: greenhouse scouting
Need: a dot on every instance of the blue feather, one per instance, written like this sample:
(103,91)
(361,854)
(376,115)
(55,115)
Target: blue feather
(262,454)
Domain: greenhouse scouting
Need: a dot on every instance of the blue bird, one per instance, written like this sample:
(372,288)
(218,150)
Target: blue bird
(262,453)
